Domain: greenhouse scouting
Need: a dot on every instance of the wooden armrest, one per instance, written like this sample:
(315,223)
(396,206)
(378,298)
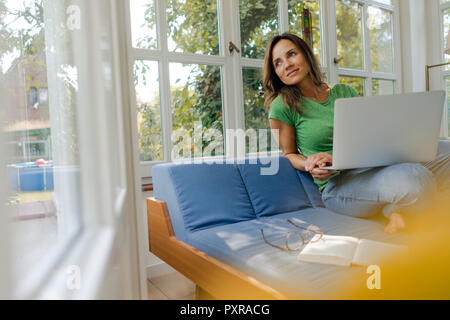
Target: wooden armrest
(217,278)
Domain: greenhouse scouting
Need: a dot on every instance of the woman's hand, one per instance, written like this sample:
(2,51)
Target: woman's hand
(315,161)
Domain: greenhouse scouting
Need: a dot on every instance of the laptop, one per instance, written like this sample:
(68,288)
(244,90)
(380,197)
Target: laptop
(384,130)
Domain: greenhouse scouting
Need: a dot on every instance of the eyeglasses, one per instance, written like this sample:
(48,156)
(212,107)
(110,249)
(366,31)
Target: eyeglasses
(311,231)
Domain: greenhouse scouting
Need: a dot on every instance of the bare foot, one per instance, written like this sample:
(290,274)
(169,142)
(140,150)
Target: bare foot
(396,223)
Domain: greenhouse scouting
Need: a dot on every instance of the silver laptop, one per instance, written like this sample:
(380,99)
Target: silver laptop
(384,130)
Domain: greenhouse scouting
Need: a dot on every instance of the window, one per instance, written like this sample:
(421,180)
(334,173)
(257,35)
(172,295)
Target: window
(42,219)
(189,89)
(445,29)
(68,198)
(366,32)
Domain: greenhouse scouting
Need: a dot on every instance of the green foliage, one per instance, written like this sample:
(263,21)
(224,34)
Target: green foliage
(149,117)
(356,83)
(150,138)
(193,28)
(348,19)
(29,39)
(380,25)
(259,23)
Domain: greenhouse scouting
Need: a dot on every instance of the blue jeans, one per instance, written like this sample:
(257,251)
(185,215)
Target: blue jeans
(404,188)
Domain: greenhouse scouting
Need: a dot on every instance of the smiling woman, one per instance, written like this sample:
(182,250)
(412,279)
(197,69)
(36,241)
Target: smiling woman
(288,61)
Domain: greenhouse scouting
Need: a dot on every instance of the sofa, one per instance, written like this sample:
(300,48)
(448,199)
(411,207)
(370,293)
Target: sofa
(205,220)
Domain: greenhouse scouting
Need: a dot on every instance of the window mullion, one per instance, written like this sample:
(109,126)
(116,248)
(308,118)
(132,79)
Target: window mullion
(164,83)
(396,47)
(366,48)
(232,75)
(228,86)
(380,5)
(383,76)
(252,63)
(190,58)
(145,54)
(330,39)
(283,15)
(353,73)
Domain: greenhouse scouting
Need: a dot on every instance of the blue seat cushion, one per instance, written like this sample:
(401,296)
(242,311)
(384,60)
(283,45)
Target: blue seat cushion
(241,245)
(276,193)
(206,195)
(312,190)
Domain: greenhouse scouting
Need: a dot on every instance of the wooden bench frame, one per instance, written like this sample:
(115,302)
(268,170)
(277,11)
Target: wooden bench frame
(214,279)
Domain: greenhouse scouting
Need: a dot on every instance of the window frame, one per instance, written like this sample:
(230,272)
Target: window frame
(164,57)
(108,244)
(367,74)
(233,64)
(443,72)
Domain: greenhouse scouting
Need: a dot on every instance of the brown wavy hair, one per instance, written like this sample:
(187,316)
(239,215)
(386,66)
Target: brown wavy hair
(273,86)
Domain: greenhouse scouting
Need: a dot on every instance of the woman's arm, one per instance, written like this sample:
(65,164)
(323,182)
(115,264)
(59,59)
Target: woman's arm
(286,141)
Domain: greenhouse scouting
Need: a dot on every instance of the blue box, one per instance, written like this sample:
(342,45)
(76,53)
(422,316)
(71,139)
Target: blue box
(30,177)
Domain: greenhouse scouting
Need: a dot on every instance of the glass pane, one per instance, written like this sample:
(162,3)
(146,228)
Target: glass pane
(39,121)
(256,116)
(447,86)
(146,77)
(196,100)
(193,26)
(143,24)
(380,29)
(295,11)
(349,34)
(259,23)
(382,87)
(446,27)
(356,83)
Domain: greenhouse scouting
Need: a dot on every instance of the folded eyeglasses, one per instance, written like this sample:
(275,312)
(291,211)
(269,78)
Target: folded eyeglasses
(311,231)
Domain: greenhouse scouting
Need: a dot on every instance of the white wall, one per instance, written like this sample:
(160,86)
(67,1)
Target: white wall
(420,43)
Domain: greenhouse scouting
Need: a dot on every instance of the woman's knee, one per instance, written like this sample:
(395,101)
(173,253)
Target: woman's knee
(411,180)
(412,187)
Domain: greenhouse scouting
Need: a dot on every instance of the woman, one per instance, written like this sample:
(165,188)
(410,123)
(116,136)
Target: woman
(301,108)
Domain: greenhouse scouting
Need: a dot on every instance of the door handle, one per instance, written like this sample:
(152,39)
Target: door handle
(232,47)
(337,60)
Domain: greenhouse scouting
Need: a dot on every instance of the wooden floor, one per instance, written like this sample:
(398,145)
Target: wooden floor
(173,286)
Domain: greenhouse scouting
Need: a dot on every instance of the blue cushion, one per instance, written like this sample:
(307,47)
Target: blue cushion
(273,194)
(312,190)
(207,195)
(164,190)
(242,247)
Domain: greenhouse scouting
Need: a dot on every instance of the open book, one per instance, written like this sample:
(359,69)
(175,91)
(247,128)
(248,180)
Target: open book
(344,251)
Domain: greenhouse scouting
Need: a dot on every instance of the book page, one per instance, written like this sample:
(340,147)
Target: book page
(371,252)
(336,250)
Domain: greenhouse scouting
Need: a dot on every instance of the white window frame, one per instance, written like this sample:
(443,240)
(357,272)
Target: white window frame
(367,74)
(232,64)
(164,57)
(108,248)
(438,75)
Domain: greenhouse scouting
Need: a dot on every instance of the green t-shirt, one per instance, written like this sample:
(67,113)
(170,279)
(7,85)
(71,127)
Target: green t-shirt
(314,128)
